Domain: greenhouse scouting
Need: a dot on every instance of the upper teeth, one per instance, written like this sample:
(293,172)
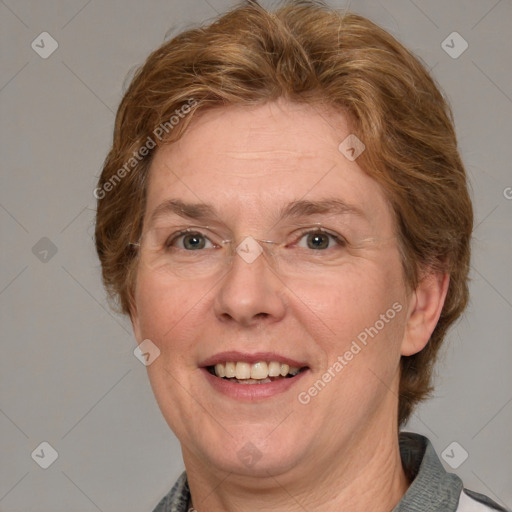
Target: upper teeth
(259,370)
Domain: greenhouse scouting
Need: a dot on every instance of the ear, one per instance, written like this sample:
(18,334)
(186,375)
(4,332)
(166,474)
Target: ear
(427,302)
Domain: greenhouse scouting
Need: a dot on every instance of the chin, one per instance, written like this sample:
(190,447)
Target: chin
(235,450)
(250,461)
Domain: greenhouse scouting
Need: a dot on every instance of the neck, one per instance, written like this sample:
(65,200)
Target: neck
(366,476)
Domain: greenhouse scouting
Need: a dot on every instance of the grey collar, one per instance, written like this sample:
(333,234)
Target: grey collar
(432,489)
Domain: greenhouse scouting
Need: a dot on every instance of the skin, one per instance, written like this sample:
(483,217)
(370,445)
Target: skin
(339,451)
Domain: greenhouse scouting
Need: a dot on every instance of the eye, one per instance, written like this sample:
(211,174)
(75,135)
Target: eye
(188,241)
(319,239)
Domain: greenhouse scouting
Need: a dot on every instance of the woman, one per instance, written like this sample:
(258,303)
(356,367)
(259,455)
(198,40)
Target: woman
(284,215)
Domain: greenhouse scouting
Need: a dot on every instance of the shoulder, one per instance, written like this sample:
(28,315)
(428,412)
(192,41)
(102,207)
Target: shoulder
(471,501)
(431,484)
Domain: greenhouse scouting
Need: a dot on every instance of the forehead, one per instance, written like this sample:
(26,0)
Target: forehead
(251,162)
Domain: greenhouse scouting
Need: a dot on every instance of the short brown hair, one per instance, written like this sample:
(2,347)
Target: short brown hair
(305,52)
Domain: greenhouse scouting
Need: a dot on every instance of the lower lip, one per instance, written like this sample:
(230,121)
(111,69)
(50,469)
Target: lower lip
(250,392)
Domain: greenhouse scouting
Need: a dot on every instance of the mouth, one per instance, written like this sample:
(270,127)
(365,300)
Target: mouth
(260,372)
(249,377)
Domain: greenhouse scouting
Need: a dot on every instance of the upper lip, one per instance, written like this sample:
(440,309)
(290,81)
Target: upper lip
(245,357)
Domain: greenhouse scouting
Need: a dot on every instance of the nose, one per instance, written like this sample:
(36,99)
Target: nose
(250,292)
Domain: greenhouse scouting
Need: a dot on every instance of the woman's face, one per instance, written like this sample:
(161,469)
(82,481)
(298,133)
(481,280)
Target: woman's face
(331,303)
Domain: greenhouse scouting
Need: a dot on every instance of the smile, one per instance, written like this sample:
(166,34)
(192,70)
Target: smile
(261,372)
(248,377)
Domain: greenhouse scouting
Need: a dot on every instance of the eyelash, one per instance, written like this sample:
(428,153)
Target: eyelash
(340,241)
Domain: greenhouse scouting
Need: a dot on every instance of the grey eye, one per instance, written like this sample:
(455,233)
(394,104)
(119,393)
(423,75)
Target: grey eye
(194,241)
(318,240)
(189,241)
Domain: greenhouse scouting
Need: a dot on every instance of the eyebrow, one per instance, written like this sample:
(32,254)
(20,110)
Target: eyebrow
(295,209)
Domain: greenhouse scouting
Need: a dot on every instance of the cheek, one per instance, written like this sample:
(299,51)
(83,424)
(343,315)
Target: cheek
(363,356)
(351,300)
(163,304)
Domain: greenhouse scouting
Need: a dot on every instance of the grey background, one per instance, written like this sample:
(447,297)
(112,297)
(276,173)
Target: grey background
(68,375)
